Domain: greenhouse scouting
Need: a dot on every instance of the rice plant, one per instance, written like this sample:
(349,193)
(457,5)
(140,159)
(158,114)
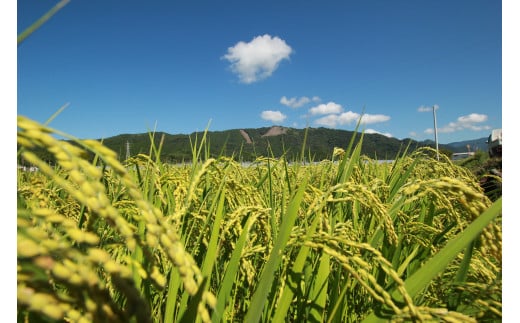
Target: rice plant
(344,240)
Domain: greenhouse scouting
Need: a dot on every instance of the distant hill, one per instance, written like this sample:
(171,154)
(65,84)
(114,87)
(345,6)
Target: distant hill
(248,144)
(474,145)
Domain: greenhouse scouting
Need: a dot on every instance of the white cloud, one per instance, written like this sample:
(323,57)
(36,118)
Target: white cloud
(329,121)
(466,122)
(472,118)
(330,107)
(273,116)
(349,117)
(294,102)
(386,134)
(257,59)
(374,118)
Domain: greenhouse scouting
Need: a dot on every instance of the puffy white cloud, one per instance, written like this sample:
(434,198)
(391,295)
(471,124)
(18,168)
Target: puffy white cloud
(294,102)
(257,59)
(273,116)
(374,118)
(329,121)
(349,117)
(472,118)
(330,107)
(466,122)
(352,117)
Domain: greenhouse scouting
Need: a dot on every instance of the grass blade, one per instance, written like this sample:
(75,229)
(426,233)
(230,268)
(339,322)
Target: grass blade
(43,19)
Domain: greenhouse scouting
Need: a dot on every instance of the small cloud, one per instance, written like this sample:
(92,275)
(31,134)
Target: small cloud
(350,117)
(472,118)
(330,107)
(374,118)
(467,122)
(413,134)
(386,134)
(294,102)
(273,116)
(353,117)
(257,59)
(424,108)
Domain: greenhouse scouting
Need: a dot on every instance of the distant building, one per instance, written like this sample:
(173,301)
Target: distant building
(459,156)
(28,168)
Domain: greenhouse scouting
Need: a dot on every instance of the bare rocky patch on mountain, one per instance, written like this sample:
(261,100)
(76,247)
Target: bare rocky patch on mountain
(275,131)
(246,136)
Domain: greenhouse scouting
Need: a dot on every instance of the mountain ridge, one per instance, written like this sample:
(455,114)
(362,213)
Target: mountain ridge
(250,143)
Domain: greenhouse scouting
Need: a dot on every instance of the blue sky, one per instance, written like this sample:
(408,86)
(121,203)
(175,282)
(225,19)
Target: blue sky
(133,66)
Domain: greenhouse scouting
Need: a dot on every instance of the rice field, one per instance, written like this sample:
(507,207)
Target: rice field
(341,240)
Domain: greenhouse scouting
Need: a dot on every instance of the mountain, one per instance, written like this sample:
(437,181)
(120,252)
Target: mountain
(248,144)
(474,145)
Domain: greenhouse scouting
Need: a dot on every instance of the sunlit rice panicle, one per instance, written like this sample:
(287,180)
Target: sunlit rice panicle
(448,193)
(159,233)
(83,183)
(349,191)
(258,244)
(350,261)
(46,247)
(44,303)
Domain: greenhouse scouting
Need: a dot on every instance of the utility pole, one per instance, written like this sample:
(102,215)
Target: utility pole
(127,150)
(435,130)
